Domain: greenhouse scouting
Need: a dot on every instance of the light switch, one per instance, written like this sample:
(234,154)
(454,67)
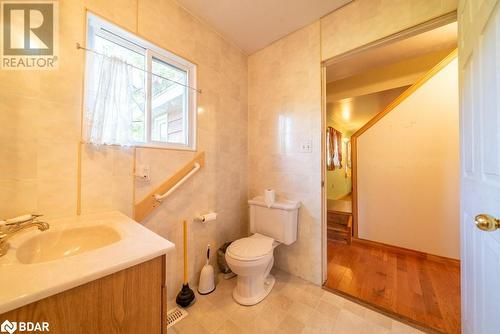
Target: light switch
(306,146)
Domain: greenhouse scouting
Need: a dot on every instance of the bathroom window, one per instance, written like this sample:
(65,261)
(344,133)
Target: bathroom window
(136,94)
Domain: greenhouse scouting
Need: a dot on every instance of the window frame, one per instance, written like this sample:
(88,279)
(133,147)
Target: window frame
(97,26)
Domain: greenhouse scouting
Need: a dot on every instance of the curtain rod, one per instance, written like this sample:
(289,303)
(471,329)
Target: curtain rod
(78,46)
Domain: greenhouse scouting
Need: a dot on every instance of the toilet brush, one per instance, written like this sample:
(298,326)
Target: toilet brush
(186,295)
(207,277)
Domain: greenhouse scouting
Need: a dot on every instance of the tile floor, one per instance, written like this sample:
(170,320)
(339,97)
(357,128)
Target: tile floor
(294,306)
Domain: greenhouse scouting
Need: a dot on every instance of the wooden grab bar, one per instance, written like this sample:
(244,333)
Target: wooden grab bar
(149,203)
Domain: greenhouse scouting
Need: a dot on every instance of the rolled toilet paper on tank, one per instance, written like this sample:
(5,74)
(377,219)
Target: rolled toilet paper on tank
(208,217)
(269,197)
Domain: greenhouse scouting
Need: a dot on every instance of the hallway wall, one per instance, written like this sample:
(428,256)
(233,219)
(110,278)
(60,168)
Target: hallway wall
(408,177)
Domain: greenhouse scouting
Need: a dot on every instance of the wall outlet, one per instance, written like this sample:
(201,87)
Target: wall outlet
(306,146)
(143,172)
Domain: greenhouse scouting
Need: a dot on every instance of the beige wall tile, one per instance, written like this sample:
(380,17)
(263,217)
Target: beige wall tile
(284,110)
(221,185)
(40,113)
(110,166)
(121,12)
(364,21)
(18,196)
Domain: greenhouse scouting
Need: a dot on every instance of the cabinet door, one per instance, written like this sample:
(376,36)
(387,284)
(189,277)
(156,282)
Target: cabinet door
(129,301)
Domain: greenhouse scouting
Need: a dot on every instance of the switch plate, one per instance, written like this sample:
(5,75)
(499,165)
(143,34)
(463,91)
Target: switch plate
(306,146)
(143,172)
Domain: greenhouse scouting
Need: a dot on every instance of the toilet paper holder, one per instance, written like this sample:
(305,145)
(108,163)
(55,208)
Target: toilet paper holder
(211,216)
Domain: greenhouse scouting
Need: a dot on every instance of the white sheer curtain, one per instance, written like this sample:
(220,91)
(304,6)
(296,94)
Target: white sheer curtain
(108,115)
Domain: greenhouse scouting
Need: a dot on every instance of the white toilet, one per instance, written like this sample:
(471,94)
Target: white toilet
(252,258)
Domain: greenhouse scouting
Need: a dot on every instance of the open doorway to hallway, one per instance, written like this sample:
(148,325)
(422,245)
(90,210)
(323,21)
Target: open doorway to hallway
(391,171)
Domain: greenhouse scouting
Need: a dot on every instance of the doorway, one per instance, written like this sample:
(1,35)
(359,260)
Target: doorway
(391,177)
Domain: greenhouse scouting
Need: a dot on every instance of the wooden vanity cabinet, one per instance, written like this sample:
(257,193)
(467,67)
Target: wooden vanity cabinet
(129,301)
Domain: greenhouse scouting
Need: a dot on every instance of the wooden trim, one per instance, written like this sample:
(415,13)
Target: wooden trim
(354,146)
(407,93)
(354,186)
(324,179)
(149,203)
(406,251)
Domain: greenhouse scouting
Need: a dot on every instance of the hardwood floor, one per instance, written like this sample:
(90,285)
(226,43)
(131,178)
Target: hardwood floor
(422,290)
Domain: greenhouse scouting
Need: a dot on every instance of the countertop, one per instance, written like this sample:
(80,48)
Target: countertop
(22,284)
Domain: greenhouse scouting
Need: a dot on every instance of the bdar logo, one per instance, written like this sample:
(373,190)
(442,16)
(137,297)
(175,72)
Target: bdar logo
(8,326)
(29,34)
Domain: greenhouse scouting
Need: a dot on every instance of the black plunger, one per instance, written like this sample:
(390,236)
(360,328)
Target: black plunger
(186,295)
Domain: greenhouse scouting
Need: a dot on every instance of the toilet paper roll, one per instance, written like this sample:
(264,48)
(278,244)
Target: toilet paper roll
(269,197)
(208,217)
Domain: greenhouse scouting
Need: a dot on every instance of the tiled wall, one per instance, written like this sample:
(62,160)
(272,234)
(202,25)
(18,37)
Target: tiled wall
(40,128)
(40,124)
(284,110)
(40,131)
(363,21)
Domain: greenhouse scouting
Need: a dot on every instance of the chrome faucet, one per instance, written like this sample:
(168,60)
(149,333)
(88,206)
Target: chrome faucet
(13,226)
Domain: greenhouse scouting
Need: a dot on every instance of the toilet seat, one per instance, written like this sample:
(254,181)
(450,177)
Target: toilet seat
(252,248)
(252,260)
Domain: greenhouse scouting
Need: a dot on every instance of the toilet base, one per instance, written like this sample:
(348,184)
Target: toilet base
(248,301)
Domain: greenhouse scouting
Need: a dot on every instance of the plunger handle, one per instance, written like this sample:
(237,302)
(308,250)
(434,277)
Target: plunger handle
(185,253)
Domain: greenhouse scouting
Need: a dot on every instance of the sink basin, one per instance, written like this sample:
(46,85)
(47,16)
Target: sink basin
(53,245)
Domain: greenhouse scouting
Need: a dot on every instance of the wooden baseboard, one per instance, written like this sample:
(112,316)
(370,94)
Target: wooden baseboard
(406,251)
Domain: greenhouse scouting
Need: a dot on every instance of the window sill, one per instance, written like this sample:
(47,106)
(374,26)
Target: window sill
(165,147)
(151,146)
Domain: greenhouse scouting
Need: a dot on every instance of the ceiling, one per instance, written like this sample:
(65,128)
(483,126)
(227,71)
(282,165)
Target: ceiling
(254,24)
(349,115)
(442,38)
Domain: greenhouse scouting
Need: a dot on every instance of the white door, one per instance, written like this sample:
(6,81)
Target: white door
(479,58)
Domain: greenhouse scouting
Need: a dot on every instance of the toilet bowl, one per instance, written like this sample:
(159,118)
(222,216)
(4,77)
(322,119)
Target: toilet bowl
(252,260)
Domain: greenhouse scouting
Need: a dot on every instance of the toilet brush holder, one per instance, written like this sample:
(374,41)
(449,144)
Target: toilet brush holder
(207,277)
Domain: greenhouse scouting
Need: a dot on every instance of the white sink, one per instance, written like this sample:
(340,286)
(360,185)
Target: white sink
(53,245)
(73,251)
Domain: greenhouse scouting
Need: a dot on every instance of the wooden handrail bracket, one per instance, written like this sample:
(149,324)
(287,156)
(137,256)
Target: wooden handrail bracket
(149,203)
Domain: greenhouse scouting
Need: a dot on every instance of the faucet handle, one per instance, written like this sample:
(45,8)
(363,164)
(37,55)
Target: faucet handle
(21,219)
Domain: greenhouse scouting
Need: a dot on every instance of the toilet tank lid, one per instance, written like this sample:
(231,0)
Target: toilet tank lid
(280,203)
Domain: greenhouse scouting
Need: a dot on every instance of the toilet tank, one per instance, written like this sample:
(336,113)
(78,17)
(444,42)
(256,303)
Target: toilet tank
(280,221)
